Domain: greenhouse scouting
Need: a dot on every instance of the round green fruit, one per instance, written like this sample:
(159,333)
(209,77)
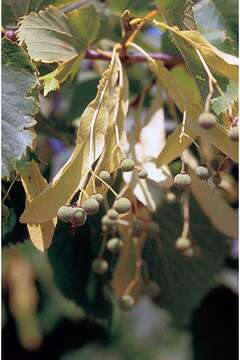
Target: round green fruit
(126,302)
(65,213)
(170,197)
(233,133)
(127,165)
(112,214)
(107,222)
(98,197)
(122,205)
(207,120)
(143,174)
(79,217)
(183,243)
(114,245)
(182,181)
(99,266)
(203,172)
(91,206)
(105,176)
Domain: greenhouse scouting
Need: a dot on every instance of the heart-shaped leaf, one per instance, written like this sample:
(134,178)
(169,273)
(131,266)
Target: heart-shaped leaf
(18,106)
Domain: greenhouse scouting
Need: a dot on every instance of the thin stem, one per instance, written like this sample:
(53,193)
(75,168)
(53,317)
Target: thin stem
(183,164)
(124,189)
(183,125)
(82,191)
(103,245)
(137,276)
(147,55)
(140,25)
(211,83)
(186,225)
(106,184)
(9,189)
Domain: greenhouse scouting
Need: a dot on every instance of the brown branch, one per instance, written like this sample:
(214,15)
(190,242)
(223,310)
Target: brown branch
(133,57)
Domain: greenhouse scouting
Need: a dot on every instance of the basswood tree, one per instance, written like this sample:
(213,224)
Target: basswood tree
(145,202)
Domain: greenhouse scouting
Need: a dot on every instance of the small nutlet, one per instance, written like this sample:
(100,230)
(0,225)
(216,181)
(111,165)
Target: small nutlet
(112,214)
(183,243)
(115,245)
(182,180)
(91,206)
(143,174)
(122,205)
(233,133)
(203,172)
(105,176)
(170,197)
(127,165)
(98,197)
(99,266)
(65,213)
(106,221)
(126,302)
(207,120)
(79,218)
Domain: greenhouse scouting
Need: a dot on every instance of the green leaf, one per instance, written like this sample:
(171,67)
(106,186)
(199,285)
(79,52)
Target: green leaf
(71,256)
(68,69)
(221,104)
(48,36)
(18,107)
(85,23)
(224,66)
(13,10)
(183,280)
(178,12)
(213,26)
(230,10)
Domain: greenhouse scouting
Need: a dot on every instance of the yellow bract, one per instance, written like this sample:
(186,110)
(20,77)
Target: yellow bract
(33,183)
(188,95)
(93,139)
(224,64)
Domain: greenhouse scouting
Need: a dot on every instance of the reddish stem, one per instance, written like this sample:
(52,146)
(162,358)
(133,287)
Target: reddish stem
(133,57)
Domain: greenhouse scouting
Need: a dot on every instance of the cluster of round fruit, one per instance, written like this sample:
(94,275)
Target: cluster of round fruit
(208,121)
(78,215)
(128,165)
(183,180)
